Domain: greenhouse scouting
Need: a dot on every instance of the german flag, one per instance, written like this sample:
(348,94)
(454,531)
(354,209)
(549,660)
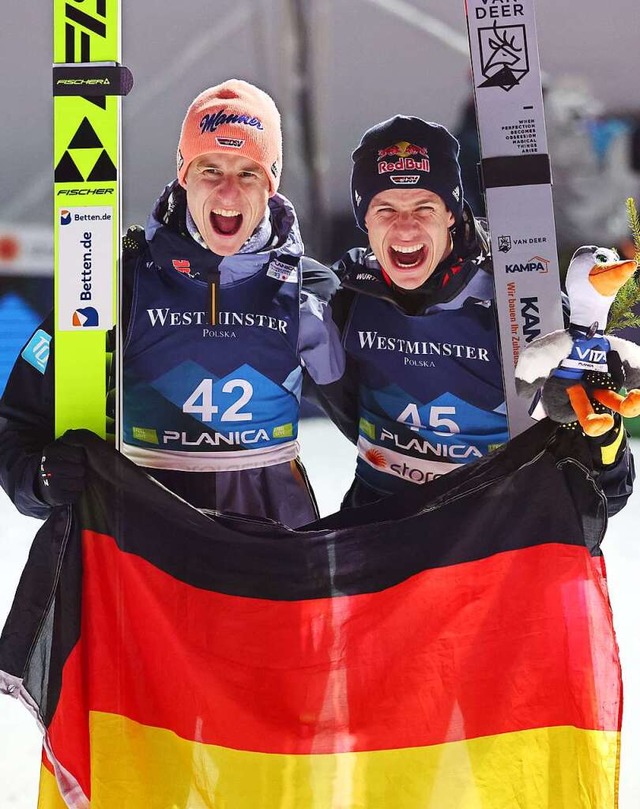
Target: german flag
(451,647)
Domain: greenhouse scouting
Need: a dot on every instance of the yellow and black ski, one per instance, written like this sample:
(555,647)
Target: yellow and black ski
(88,83)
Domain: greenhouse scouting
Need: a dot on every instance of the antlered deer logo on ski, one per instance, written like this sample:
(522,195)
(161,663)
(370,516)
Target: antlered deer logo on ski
(504,55)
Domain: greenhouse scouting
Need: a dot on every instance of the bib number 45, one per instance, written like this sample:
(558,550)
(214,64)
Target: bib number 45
(201,403)
(438,419)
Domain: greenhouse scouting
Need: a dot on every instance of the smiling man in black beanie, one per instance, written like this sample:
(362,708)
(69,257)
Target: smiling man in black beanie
(407,194)
(423,390)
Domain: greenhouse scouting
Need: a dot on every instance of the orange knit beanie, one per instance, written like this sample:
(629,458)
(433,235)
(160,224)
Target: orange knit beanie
(233,118)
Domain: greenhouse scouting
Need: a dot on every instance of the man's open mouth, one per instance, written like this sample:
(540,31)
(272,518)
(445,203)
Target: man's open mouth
(407,256)
(224,222)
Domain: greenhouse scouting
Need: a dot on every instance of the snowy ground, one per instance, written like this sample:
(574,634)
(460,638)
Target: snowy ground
(329,461)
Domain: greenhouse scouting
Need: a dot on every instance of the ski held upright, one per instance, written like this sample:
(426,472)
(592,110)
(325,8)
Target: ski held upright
(88,83)
(516,176)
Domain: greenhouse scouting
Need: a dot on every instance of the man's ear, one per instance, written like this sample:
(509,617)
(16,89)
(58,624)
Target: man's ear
(183,181)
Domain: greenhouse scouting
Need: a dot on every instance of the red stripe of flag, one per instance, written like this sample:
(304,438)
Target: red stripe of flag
(498,645)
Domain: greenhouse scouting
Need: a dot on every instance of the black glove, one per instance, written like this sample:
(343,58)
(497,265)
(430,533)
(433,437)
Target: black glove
(606,450)
(615,369)
(62,473)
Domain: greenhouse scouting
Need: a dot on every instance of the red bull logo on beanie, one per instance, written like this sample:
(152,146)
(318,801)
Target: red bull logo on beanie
(403,156)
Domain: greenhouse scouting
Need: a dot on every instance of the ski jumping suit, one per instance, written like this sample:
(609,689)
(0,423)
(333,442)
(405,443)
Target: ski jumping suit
(210,408)
(423,390)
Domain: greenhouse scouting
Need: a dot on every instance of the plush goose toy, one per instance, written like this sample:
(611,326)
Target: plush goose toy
(580,365)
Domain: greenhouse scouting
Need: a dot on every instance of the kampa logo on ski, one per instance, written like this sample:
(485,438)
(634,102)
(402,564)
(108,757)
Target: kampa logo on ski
(504,55)
(85,317)
(535,264)
(530,313)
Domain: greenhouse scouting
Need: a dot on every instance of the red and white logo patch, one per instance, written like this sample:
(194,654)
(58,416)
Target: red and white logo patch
(181,265)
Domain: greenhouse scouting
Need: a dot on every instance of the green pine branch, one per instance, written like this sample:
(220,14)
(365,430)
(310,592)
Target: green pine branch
(622,314)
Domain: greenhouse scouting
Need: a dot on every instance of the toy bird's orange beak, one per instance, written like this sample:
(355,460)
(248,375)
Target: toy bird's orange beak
(608,278)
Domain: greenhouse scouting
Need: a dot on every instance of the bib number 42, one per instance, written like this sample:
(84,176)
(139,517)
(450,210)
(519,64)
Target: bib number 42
(201,403)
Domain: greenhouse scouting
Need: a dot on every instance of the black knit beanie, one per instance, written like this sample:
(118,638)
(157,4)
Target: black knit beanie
(406,152)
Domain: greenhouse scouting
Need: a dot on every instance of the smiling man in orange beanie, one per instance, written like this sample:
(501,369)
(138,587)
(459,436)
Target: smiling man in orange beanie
(221,314)
(230,131)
